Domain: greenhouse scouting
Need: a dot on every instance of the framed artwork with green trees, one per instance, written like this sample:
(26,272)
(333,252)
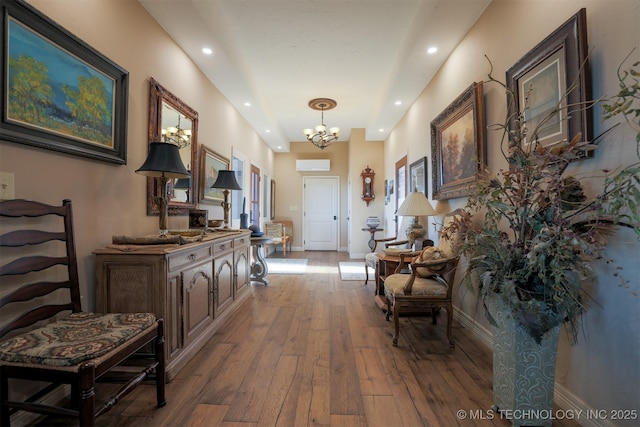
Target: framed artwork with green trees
(61,94)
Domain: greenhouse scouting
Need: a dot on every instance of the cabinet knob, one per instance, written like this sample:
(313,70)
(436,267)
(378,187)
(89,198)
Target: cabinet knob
(223,247)
(192,257)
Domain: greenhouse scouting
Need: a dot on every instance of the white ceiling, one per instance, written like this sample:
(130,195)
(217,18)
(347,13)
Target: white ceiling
(278,55)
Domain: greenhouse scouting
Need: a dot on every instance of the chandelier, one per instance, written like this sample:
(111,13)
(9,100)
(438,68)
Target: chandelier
(176,135)
(321,138)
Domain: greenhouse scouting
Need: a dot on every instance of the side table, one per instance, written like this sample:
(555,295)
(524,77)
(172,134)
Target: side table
(259,268)
(372,231)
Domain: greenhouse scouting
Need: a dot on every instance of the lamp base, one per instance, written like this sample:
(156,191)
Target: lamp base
(416,231)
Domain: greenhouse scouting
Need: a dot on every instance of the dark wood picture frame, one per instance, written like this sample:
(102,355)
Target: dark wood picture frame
(273,200)
(418,176)
(211,163)
(559,62)
(458,145)
(61,63)
(198,218)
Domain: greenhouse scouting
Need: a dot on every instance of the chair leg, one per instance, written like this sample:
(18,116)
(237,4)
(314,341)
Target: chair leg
(366,273)
(87,402)
(5,419)
(160,368)
(449,321)
(396,324)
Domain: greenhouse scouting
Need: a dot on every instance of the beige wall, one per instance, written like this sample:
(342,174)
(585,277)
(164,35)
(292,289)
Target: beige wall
(602,371)
(348,159)
(110,199)
(289,189)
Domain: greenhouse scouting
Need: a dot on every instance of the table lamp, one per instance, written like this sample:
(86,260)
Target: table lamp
(183,184)
(226,180)
(416,205)
(163,162)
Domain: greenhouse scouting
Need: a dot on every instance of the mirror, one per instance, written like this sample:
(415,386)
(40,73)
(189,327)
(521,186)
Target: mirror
(172,121)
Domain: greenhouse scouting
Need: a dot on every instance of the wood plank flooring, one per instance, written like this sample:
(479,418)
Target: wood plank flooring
(313,350)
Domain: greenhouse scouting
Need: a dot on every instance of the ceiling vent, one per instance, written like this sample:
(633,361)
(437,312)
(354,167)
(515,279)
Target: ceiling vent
(313,165)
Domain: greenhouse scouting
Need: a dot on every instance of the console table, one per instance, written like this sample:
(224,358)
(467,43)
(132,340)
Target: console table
(259,269)
(372,231)
(194,287)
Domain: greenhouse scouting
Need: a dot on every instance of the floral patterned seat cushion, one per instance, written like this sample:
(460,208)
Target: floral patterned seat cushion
(74,338)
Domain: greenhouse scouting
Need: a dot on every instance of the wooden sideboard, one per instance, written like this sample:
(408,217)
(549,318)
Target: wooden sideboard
(194,287)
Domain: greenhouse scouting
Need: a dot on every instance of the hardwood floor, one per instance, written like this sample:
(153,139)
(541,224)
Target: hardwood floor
(313,350)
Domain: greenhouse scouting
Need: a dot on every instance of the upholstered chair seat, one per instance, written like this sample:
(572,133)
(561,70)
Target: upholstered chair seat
(433,287)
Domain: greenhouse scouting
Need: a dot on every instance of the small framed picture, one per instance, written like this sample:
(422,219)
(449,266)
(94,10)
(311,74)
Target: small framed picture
(198,218)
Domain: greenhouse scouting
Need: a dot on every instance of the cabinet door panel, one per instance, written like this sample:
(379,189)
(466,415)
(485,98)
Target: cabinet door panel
(197,284)
(173,333)
(223,265)
(241,260)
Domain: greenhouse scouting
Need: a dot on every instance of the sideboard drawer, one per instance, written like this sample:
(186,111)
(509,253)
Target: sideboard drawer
(197,254)
(241,241)
(221,247)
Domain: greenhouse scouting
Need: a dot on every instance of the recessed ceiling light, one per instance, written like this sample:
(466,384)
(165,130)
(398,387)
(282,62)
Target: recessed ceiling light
(207,50)
(279,147)
(381,130)
(398,102)
(432,50)
(267,131)
(247,104)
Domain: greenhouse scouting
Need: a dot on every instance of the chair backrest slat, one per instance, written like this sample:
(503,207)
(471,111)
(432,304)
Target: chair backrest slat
(29,264)
(28,318)
(29,237)
(33,290)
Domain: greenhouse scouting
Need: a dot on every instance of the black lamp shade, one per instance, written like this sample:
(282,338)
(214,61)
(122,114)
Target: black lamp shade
(226,180)
(163,160)
(183,183)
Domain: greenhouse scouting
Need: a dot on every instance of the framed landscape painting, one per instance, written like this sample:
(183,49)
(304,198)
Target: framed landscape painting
(458,145)
(61,94)
(212,163)
(551,86)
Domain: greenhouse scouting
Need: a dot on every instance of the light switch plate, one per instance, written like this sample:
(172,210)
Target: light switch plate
(6,186)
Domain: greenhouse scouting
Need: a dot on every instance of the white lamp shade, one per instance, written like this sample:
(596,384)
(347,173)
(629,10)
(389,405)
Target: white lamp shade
(416,204)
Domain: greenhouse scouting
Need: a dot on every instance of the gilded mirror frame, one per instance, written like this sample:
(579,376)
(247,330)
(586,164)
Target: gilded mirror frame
(158,97)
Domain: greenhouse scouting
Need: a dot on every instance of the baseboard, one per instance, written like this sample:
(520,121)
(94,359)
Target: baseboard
(567,401)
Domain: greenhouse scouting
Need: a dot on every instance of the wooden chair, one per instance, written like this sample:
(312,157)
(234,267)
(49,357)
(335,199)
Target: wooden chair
(371,259)
(429,286)
(281,233)
(44,335)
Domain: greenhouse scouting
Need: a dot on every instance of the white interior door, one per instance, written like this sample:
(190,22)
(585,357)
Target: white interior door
(320,213)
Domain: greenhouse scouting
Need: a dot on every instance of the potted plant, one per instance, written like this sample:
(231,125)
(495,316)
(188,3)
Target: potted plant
(532,248)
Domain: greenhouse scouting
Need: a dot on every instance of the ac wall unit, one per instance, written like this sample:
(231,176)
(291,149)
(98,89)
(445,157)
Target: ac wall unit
(313,165)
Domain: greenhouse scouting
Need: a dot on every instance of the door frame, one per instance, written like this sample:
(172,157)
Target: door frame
(336,179)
